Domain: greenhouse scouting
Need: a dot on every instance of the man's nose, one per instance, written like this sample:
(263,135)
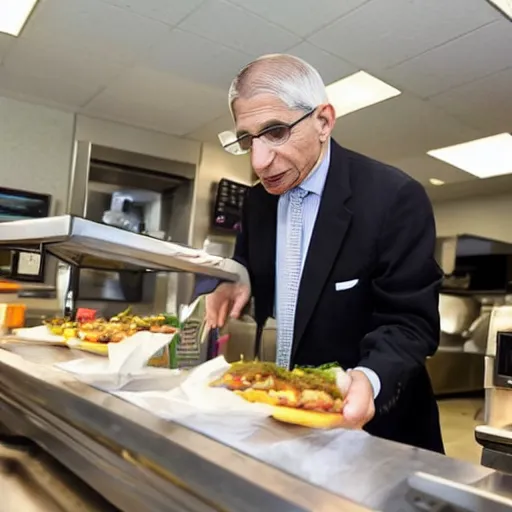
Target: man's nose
(261,155)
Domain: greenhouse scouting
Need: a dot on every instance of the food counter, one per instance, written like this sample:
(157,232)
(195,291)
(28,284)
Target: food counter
(137,461)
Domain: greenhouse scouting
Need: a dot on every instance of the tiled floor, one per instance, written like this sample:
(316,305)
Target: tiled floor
(458,426)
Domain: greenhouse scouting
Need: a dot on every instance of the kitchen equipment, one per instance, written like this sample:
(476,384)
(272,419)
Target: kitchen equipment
(495,435)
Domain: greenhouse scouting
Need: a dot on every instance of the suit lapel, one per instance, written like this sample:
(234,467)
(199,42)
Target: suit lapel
(265,225)
(332,223)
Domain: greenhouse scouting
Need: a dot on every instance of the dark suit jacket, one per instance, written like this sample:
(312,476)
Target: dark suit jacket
(375,224)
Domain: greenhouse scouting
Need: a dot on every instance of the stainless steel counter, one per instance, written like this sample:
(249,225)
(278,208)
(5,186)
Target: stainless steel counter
(31,481)
(140,462)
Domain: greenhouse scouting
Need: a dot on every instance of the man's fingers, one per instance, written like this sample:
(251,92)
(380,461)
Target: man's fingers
(240,301)
(223,313)
(212,310)
(359,407)
(343,381)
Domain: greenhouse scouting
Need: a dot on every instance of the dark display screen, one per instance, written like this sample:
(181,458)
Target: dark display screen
(21,205)
(229,202)
(504,355)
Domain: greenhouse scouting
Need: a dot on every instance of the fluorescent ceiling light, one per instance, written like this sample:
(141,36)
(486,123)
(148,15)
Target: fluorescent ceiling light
(358,91)
(490,156)
(504,6)
(14,14)
(436,182)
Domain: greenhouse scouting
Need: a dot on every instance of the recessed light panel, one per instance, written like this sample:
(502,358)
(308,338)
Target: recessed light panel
(358,91)
(14,14)
(484,158)
(504,6)
(436,182)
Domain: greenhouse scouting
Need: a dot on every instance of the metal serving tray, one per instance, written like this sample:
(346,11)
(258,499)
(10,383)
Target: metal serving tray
(88,244)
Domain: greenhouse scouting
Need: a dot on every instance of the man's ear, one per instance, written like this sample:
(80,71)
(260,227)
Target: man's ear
(327,119)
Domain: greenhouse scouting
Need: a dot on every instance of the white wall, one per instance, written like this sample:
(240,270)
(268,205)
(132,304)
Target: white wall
(36,145)
(488,216)
(137,140)
(214,164)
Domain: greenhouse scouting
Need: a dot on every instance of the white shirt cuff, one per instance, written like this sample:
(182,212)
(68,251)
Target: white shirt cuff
(372,377)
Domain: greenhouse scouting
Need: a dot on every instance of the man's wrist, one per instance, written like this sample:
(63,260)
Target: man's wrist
(233,266)
(372,377)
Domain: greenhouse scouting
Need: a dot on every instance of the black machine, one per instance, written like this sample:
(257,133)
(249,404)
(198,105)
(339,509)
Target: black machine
(229,201)
(481,266)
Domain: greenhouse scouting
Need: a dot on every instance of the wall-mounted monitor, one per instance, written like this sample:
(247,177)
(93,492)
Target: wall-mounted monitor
(17,263)
(22,205)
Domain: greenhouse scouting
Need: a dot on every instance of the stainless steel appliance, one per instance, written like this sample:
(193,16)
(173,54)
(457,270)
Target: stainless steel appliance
(138,193)
(496,434)
(452,369)
(478,273)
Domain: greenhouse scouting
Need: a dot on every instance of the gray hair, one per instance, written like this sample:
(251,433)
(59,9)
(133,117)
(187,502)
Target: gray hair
(295,82)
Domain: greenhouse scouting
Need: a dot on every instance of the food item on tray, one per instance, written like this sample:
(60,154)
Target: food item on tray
(62,326)
(116,329)
(303,396)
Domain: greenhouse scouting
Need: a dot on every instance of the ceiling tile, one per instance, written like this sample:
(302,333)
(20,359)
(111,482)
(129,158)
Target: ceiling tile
(484,104)
(55,90)
(6,42)
(52,63)
(383,33)
(330,67)
(424,167)
(205,62)
(306,18)
(154,100)
(93,28)
(162,10)
(400,127)
(232,26)
(475,55)
(174,122)
(208,132)
(151,87)
(497,186)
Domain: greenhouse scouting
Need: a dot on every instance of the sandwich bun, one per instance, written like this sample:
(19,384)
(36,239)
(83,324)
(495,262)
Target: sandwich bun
(294,416)
(305,418)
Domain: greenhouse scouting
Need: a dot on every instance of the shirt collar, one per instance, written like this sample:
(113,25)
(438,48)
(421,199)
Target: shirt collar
(315,182)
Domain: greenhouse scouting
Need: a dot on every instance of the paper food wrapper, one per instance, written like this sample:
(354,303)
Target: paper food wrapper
(127,361)
(194,396)
(39,333)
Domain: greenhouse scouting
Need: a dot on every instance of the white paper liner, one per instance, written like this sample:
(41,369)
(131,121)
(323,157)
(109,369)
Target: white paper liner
(126,362)
(38,333)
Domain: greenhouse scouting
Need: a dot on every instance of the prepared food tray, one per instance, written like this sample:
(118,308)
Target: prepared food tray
(93,335)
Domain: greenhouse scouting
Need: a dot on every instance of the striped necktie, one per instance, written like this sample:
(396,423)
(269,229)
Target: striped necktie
(291,279)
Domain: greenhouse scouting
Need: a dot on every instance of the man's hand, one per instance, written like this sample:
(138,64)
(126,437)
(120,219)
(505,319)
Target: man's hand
(227,299)
(358,407)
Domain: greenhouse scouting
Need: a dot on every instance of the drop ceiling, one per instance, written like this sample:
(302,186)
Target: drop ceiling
(166,65)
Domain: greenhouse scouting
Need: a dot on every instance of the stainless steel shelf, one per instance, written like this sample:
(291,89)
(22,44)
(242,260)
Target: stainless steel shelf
(84,243)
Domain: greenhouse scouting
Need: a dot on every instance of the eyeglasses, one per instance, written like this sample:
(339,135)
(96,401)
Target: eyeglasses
(274,135)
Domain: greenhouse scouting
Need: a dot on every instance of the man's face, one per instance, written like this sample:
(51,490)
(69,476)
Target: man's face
(281,167)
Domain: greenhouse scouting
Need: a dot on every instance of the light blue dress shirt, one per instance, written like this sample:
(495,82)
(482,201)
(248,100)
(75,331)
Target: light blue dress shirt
(314,185)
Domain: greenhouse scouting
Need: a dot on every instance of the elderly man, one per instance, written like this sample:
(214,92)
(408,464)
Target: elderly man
(339,248)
